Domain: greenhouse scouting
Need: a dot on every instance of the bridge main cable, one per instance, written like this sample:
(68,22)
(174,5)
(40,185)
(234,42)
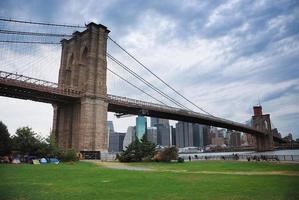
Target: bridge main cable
(3,31)
(41,23)
(119,76)
(76,26)
(129,54)
(146,82)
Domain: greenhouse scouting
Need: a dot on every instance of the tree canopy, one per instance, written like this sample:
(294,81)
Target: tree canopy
(137,151)
(26,141)
(5,140)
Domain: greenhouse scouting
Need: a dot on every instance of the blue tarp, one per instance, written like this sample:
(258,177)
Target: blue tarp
(43,161)
(54,161)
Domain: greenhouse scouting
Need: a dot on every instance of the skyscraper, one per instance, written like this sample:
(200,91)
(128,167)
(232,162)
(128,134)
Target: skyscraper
(163,135)
(179,135)
(129,137)
(235,138)
(217,136)
(163,130)
(110,127)
(198,135)
(207,139)
(172,136)
(184,134)
(141,127)
(116,142)
(152,134)
(154,121)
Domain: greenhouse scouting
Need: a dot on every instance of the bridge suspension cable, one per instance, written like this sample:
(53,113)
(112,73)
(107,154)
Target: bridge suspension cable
(119,76)
(78,26)
(177,92)
(137,76)
(146,82)
(33,33)
(26,42)
(41,23)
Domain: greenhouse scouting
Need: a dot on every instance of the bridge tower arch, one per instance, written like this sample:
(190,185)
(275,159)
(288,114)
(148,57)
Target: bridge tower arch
(82,125)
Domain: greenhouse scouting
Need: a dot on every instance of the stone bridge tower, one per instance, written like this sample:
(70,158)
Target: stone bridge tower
(82,125)
(263,123)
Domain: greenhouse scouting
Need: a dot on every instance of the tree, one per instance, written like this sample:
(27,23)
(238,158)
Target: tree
(53,150)
(132,153)
(138,151)
(147,148)
(25,141)
(5,140)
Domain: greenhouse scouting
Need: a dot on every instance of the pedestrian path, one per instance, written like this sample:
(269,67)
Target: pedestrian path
(125,166)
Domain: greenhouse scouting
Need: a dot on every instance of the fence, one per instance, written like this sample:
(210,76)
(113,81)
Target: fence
(249,157)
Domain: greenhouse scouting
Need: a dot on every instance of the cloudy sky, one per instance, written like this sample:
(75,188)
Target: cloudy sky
(224,55)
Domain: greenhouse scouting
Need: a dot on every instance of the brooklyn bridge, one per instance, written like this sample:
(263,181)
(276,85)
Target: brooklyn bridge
(81,102)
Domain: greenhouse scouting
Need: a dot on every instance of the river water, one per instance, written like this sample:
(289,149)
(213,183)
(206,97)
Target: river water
(288,155)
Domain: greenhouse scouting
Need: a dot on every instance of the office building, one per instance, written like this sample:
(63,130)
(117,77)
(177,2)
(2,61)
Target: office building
(129,137)
(235,138)
(184,134)
(141,127)
(110,127)
(116,142)
(172,136)
(207,137)
(198,135)
(152,134)
(163,130)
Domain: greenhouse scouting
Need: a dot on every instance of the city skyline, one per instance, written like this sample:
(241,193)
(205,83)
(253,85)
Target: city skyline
(234,65)
(185,135)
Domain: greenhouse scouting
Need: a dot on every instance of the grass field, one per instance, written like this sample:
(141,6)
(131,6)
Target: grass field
(196,180)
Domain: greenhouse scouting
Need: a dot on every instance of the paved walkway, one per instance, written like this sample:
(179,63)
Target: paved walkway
(124,166)
(118,165)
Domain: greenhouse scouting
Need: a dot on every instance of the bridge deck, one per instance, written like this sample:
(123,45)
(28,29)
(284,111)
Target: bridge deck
(137,107)
(23,87)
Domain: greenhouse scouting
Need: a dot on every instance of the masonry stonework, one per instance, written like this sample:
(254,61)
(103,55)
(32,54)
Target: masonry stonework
(82,125)
(262,123)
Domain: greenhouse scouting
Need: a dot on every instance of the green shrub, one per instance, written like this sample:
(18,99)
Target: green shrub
(167,154)
(181,160)
(68,155)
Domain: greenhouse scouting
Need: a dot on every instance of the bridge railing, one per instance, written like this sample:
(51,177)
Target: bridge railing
(27,79)
(155,105)
(149,105)
(246,156)
(141,103)
(21,80)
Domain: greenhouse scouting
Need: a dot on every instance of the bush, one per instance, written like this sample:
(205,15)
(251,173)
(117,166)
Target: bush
(68,155)
(181,160)
(167,154)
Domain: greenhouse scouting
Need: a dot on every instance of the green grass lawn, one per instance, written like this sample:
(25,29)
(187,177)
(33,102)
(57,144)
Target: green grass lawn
(89,181)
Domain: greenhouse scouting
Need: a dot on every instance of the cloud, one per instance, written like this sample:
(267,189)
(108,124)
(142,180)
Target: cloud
(224,55)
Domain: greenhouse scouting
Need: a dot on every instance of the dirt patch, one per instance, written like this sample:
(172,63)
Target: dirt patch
(124,166)
(286,173)
(118,165)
